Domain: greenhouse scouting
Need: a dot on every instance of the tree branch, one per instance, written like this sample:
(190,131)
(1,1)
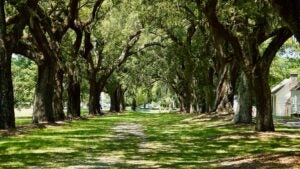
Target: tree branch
(282,35)
(133,39)
(219,29)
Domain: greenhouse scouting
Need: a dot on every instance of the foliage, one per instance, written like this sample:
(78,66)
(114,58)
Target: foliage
(285,63)
(24,79)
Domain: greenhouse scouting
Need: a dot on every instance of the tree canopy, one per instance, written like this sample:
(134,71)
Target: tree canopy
(192,55)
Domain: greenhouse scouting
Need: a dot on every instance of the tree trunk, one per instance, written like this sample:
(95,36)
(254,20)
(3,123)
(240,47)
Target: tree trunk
(225,89)
(94,100)
(133,106)
(58,107)
(181,103)
(73,96)
(115,99)
(264,118)
(43,109)
(209,92)
(243,110)
(94,97)
(7,114)
(186,98)
(123,103)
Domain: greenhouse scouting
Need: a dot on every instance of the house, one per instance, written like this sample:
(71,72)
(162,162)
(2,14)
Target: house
(286,97)
(295,97)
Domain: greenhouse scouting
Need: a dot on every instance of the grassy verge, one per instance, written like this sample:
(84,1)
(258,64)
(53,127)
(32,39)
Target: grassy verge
(23,120)
(140,140)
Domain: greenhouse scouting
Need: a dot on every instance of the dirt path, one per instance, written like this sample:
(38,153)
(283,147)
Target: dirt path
(124,130)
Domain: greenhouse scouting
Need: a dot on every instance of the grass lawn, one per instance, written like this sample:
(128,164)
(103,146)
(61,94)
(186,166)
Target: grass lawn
(141,140)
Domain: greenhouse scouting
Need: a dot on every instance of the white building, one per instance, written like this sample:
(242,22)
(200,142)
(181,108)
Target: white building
(295,98)
(286,97)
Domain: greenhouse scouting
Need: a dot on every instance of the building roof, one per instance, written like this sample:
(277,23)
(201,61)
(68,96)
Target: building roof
(280,86)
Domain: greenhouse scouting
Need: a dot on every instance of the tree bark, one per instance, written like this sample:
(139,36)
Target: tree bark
(181,103)
(243,113)
(7,115)
(58,107)
(123,102)
(8,40)
(44,92)
(73,96)
(264,118)
(115,99)
(209,99)
(225,89)
(94,97)
(187,99)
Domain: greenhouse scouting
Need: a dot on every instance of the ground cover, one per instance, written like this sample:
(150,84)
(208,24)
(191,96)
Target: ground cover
(141,140)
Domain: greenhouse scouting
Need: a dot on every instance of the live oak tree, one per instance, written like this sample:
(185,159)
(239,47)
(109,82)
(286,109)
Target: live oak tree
(255,64)
(48,29)
(116,92)
(204,53)
(12,24)
(83,20)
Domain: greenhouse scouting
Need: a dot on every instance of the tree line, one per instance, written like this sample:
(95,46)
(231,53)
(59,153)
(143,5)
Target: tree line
(202,52)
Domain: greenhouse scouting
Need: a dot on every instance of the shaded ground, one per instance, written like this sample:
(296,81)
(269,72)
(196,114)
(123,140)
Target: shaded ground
(140,140)
(292,122)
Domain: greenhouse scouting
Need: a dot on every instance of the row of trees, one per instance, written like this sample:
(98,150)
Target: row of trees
(202,52)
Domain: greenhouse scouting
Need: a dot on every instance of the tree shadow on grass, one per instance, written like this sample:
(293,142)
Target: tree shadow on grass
(267,161)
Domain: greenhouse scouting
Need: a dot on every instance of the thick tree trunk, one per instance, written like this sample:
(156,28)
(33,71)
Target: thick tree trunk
(43,109)
(94,100)
(73,96)
(58,107)
(187,103)
(7,115)
(115,99)
(94,97)
(225,89)
(181,103)
(243,112)
(209,93)
(264,118)
(123,102)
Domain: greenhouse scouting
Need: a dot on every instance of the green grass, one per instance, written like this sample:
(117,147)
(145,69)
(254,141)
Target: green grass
(158,141)
(23,120)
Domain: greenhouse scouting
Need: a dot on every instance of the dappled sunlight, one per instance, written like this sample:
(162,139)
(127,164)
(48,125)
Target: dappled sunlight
(90,138)
(180,126)
(134,140)
(288,160)
(113,157)
(144,163)
(53,150)
(155,146)
(125,129)
(261,136)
